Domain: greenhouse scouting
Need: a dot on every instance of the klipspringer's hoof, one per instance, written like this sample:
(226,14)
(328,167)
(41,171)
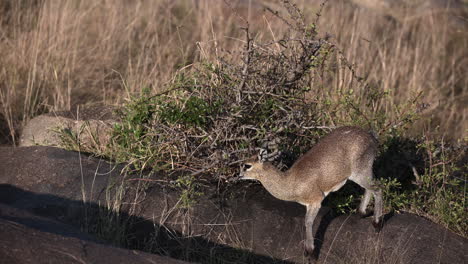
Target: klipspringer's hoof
(309,250)
(311,254)
(366,214)
(377,226)
(312,260)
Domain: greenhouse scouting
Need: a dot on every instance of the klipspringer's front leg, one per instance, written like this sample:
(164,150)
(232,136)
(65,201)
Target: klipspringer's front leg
(312,211)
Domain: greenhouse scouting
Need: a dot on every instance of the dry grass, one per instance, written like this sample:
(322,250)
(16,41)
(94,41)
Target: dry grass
(406,57)
(56,54)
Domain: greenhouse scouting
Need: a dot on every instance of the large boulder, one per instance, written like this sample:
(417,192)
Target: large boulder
(244,224)
(53,183)
(90,126)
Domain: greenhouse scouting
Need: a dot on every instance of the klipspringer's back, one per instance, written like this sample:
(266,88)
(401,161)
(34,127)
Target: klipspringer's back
(336,155)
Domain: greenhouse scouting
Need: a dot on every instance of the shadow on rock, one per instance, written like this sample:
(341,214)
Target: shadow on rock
(26,238)
(142,232)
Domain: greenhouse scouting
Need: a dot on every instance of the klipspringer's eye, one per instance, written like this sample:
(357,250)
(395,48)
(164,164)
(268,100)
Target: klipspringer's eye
(248,166)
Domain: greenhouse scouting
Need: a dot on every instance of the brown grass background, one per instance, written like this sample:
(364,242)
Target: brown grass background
(57,54)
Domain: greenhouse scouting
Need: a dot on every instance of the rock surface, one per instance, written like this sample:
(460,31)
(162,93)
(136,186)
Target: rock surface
(27,238)
(405,238)
(90,125)
(247,226)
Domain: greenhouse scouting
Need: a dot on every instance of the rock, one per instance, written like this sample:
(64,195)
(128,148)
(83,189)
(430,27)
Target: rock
(405,238)
(53,183)
(92,127)
(49,170)
(27,238)
(248,225)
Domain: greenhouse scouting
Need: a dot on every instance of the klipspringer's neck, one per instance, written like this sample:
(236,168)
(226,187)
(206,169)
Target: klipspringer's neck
(278,184)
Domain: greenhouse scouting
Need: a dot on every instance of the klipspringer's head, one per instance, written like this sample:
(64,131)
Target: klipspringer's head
(252,170)
(258,167)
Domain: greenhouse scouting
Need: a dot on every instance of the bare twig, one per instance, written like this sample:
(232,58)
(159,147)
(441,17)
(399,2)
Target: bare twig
(247,52)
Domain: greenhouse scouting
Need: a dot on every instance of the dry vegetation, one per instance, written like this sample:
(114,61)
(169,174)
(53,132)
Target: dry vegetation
(55,55)
(286,88)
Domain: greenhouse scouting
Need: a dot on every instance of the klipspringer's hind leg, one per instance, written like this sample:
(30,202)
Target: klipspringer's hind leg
(378,209)
(366,180)
(364,203)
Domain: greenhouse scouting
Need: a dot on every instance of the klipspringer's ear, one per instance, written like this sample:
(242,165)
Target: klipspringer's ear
(262,155)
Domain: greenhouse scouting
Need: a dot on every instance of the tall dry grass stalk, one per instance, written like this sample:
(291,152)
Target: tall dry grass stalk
(424,54)
(56,54)
(60,53)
